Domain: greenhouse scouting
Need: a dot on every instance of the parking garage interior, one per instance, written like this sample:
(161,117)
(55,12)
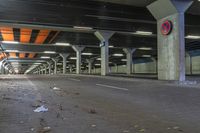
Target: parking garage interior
(99,66)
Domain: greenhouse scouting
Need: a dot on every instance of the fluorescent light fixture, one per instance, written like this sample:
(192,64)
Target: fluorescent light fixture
(59,64)
(98,58)
(62,44)
(111,46)
(45,57)
(82,28)
(145,48)
(97,64)
(124,60)
(143,33)
(49,52)
(118,55)
(12,51)
(37,63)
(11,42)
(87,53)
(192,37)
(72,58)
(146,55)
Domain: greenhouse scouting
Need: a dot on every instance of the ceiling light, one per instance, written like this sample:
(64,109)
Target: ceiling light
(143,33)
(111,46)
(98,58)
(192,37)
(10,42)
(97,64)
(45,57)
(145,48)
(62,44)
(73,58)
(82,28)
(87,53)
(49,52)
(12,51)
(124,60)
(118,55)
(146,55)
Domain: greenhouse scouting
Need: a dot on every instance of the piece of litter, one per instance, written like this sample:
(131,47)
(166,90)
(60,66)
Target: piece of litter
(136,126)
(32,129)
(92,111)
(142,130)
(56,88)
(41,109)
(45,130)
(175,128)
(93,125)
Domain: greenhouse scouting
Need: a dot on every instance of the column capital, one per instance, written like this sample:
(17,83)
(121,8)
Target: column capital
(104,35)
(78,48)
(163,8)
(54,60)
(64,55)
(129,50)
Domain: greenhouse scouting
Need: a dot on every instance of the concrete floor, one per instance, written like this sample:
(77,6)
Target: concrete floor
(92,104)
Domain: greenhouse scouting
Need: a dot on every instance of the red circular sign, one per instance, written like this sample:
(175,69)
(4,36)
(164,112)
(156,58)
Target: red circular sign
(166,27)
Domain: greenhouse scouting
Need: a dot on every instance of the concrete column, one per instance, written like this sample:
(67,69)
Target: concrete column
(78,50)
(104,37)
(55,65)
(116,68)
(171,41)
(156,66)
(129,57)
(49,64)
(64,57)
(90,61)
(45,70)
(190,62)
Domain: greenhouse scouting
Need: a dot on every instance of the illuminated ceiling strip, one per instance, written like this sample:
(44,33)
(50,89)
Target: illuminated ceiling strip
(25,36)
(42,36)
(8,35)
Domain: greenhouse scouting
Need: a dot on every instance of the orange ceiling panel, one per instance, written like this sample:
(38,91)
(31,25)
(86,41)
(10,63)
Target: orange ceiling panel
(42,36)
(25,36)
(7,35)
(12,55)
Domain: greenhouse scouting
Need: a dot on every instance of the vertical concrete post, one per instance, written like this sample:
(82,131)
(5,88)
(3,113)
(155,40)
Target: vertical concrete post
(129,57)
(45,69)
(64,57)
(116,68)
(190,62)
(171,37)
(156,64)
(104,37)
(78,50)
(90,61)
(55,65)
(49,64)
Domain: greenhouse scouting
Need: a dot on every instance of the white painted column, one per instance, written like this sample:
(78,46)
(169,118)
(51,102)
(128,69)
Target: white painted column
(78,50)
(129,57)
(64,57)
(104,37)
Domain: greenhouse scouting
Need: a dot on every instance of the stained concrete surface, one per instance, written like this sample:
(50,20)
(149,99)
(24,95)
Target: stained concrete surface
(92,104)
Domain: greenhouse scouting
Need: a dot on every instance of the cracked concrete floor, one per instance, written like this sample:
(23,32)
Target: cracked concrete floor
(92,104)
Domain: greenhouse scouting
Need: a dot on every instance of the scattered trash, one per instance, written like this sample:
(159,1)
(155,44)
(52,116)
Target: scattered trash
(76,106)
(41,109)
(93,125)
(175,128)
(32,129)
(136,126)
(126,131)
(56,88)
(45,130)
(142,130)
(168,128)
(77,93)
(21,122)
(92,111)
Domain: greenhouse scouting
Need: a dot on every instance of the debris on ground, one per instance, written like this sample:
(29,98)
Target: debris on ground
(77,93)
(56,88)
(126,131)
(92,111)
(41,109)
(45,130)
(93,125)
(175,128)
(142,130)
(32,129)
